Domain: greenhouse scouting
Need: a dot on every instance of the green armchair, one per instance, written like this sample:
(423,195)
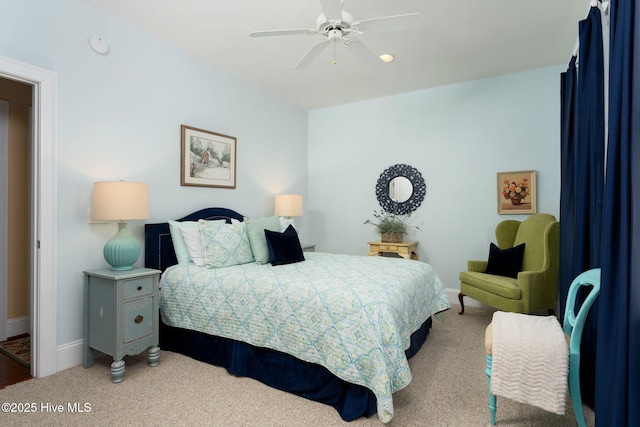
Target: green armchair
(535,287)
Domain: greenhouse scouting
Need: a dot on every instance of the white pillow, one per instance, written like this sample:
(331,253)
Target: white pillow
(193,242)
(179,246)
(187,242)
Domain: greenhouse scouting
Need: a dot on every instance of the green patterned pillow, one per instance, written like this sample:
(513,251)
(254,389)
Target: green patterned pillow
(225,244)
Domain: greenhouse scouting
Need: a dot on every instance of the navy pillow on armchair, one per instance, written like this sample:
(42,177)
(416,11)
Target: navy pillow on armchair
(505,262)
(284,248)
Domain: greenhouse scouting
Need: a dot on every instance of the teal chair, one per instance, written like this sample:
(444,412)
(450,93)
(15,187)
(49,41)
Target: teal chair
(572,326)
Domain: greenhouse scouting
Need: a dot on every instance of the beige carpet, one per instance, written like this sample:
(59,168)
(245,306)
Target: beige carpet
(449,388)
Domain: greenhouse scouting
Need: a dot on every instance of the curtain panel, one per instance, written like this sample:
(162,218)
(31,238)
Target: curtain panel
(618,350)
(600,207)
(582,178)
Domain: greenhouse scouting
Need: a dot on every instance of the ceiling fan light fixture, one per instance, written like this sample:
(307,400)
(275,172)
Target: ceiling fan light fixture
(335,25)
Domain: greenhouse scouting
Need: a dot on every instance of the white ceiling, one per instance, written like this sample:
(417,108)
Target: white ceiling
(462,40)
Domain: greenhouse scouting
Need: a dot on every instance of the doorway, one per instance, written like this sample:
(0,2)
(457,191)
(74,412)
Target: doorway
(15,136)
(42,215)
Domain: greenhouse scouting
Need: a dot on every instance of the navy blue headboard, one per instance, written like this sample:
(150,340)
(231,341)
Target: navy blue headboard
(158,246)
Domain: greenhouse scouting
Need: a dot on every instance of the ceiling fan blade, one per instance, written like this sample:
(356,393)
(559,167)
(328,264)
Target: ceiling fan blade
(390,23)
(361,51)
(269,33)
(310,55)
(332,9)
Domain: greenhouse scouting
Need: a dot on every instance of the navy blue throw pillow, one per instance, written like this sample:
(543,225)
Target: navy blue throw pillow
(505,262)
(284,248)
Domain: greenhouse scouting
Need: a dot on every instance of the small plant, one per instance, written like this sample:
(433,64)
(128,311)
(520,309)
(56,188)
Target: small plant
(390,225)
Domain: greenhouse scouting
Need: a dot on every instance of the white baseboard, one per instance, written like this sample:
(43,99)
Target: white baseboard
(69,355)
(17,326)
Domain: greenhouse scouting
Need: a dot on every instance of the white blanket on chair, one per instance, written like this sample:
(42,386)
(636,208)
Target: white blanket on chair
(530,360)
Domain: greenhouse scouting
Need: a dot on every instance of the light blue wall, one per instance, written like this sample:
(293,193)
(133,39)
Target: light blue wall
(119,117)
(458,137)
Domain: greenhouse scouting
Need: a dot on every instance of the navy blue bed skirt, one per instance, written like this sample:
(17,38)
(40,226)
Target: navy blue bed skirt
(280,370)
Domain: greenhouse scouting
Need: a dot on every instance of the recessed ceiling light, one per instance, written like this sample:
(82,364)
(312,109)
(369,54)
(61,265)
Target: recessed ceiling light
(386,57)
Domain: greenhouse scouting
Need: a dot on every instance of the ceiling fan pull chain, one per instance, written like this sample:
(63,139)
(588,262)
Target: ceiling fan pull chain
(334,54)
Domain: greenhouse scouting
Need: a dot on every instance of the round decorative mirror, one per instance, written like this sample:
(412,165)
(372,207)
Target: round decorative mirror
(400,189)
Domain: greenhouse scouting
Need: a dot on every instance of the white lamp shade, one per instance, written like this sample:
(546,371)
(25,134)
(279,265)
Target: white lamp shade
(288,205)
(120,201)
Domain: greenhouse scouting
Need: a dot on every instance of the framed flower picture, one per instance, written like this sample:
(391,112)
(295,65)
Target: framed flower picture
(517,192)
(208,159)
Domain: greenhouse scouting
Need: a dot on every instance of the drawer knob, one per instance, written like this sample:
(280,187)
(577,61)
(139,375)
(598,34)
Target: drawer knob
(138,318)
(139,288)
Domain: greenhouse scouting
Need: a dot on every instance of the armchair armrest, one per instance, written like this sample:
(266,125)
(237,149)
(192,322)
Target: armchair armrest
(477,266)
(536,292)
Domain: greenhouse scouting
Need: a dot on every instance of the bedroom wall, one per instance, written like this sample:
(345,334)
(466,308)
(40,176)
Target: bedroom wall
(119,117)
(458,137)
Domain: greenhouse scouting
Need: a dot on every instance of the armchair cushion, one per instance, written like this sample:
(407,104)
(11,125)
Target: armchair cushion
(505,262)
(498,286)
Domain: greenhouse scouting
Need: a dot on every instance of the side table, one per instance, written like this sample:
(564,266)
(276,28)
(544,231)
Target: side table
(121,316)
(406,250)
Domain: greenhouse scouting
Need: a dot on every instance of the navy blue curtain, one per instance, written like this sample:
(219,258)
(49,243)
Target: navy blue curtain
(618,350)
(568,166)
(582,178)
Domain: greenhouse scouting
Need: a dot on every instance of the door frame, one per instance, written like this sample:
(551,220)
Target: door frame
(4,216)
(43,269)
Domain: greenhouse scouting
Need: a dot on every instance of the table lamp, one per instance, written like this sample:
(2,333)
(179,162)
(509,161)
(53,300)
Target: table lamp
(121,201)
(288,205)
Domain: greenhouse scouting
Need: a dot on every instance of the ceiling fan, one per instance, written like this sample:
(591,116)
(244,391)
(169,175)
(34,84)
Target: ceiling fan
(336,25)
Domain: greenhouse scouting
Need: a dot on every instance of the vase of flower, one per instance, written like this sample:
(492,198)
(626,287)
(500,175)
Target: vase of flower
(516,200)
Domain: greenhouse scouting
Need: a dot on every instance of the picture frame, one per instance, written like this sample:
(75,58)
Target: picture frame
(517,192)
(207,159)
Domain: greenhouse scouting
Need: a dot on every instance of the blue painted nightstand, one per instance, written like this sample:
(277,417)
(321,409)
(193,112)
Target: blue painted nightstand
(121,316)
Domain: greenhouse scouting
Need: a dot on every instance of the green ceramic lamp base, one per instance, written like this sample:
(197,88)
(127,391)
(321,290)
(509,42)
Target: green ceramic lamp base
(122,251)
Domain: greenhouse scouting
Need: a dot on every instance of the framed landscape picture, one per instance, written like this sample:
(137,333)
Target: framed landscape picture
(208,159)
(517,192)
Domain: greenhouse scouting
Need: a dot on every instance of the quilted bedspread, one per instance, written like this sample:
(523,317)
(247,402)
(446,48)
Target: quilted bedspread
(353,315)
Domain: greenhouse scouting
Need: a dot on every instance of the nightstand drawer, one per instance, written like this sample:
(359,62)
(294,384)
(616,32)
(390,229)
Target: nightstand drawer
(137,319)
(388,247)
(137,287)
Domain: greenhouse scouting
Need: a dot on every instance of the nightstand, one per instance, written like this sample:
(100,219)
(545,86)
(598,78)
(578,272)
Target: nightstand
(406,250)
(121,316)
(308,247)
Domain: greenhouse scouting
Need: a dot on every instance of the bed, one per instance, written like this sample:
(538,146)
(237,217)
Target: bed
(336,329)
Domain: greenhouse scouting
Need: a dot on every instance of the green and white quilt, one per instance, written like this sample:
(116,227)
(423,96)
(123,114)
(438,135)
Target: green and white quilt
(353,315)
